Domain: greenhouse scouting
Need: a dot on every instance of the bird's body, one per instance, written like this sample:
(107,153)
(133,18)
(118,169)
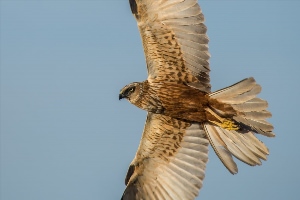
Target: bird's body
(179,101)
(184,116)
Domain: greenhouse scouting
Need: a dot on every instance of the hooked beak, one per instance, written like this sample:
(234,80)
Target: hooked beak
(121,96)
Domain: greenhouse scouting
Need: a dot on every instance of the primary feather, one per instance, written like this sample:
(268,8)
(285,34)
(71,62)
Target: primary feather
(170,161)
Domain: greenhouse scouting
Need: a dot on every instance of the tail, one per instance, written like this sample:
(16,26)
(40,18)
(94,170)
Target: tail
(250,116)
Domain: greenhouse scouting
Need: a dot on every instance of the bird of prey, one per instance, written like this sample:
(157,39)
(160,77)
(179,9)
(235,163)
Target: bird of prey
(184,116)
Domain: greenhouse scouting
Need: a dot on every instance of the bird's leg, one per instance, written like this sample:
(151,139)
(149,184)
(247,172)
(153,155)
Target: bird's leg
(223,122)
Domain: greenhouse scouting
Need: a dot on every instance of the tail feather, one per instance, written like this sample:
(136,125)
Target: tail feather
(245,96)
(255,104)
(237,148)
(251,111)
(264,114)
(220,148)
(234,90)
(245,147)
(250,144)
(250,115)
(256,142)
(257,125)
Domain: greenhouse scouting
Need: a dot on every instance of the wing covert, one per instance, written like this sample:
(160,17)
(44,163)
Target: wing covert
(170,161)
(174,40)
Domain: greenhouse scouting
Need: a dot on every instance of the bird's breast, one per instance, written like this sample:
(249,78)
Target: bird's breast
(178,101)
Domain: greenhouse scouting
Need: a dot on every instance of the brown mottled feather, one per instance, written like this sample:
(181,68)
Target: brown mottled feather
(167,160)
(174,40)
(179,101)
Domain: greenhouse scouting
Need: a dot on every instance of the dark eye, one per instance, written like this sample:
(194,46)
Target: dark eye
(131,89)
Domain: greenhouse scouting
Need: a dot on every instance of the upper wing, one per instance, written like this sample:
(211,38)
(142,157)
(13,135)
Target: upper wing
(170,161)
(174,39)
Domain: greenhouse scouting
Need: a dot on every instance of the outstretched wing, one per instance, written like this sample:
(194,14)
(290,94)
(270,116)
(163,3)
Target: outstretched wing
(170,161)
(174,39)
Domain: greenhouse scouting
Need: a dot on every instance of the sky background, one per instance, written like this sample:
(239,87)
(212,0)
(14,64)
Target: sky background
(65,134)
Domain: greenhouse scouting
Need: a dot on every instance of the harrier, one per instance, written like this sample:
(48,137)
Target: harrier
(184,116)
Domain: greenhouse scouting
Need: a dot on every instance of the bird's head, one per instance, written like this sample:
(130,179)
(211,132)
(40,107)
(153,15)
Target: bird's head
(131,92)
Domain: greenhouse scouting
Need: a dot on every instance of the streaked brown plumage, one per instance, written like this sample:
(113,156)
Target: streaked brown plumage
(176,100)
(183,115)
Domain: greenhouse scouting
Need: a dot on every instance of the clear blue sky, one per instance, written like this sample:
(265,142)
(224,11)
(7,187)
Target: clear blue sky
(64,133)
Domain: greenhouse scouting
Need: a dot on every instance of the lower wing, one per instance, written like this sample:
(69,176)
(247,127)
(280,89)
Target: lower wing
(170,161)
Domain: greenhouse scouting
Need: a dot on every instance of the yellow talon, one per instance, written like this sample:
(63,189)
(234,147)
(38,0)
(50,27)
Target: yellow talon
(229,125)
(224,123)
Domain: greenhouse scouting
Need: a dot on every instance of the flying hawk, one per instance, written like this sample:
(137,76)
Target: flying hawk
(184,116)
